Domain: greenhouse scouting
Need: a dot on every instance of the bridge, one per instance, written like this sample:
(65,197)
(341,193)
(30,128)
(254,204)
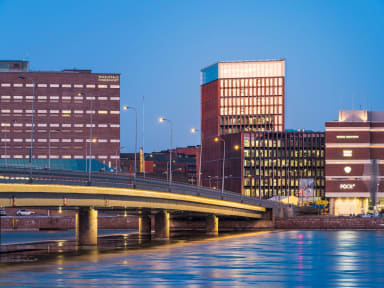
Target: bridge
(147,198)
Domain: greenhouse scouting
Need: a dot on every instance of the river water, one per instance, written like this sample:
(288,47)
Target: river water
(264,259)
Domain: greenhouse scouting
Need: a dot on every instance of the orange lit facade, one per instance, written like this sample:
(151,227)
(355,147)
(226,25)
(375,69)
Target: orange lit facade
(352,144)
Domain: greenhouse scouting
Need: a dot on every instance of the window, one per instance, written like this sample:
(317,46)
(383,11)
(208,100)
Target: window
(347,153)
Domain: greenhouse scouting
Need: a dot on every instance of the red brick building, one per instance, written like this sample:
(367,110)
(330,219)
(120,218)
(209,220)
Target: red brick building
(245,96)
(184,163)
(354,148)
(64,103)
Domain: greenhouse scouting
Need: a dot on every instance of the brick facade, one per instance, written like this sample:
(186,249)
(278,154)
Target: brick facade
(63,102)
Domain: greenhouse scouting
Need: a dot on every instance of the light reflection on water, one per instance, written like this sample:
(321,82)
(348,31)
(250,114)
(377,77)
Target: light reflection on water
(278,259)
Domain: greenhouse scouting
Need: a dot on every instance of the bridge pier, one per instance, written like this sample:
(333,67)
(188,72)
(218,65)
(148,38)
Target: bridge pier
(144,226)
(212,225)
(87,226)
(162,225)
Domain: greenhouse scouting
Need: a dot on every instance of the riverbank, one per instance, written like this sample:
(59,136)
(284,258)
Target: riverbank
(308,222)
(329,223)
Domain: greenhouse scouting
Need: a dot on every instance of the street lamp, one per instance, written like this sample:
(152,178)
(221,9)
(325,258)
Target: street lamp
(217,139)
(194,130)
(33,125)
(161,119)
(134,109)
(49,147)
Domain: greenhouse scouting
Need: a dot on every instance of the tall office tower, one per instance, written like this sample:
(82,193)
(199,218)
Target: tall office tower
(246,96)
(354,162)
(66,111)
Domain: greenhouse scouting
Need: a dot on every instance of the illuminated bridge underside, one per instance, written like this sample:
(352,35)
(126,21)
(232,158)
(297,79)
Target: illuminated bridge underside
(37,195)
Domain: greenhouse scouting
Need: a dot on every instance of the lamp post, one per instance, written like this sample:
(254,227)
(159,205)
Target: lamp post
(161,119)
(217,139)
(33,125)
(135,167)
(194,130)
(49,147)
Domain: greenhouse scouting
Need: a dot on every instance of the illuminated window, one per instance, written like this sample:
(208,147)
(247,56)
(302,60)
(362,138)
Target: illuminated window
(347,153)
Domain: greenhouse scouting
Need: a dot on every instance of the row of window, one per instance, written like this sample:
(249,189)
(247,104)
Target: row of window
(55,140)
(292,152)
(255,82)
(61,157)
(43,111)
(230,92)
(277,182)
(251,110)
(237,129)
(243,101)
(64,125)
(266,193)
(57,98)
(19,85)
(269,163)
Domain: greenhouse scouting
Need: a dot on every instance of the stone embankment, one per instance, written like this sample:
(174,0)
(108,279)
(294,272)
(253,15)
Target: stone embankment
(328,222)
(64,222)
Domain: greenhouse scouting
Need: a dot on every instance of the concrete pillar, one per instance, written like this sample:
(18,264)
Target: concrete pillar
(269,214)
(331,206)
(212,225)
(162,225)
(87,226)
(77,227)
(144,226)
(281,213)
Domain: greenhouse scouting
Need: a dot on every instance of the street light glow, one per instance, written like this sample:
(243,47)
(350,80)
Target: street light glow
(161,119)
(216,139)
(236,147)
(194,130)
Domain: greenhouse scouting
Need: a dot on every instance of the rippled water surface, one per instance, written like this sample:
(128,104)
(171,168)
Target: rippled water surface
(277,259)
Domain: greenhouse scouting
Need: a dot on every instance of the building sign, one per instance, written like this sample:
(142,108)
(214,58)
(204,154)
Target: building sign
(306,190)
(108,78)
(347,186)
(347,136)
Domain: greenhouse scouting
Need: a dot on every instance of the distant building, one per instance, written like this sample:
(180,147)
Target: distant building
(184,163)
(354,162)
(63,104)
(266,164)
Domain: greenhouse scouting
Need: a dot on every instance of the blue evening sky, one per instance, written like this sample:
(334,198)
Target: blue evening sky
(334,52)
